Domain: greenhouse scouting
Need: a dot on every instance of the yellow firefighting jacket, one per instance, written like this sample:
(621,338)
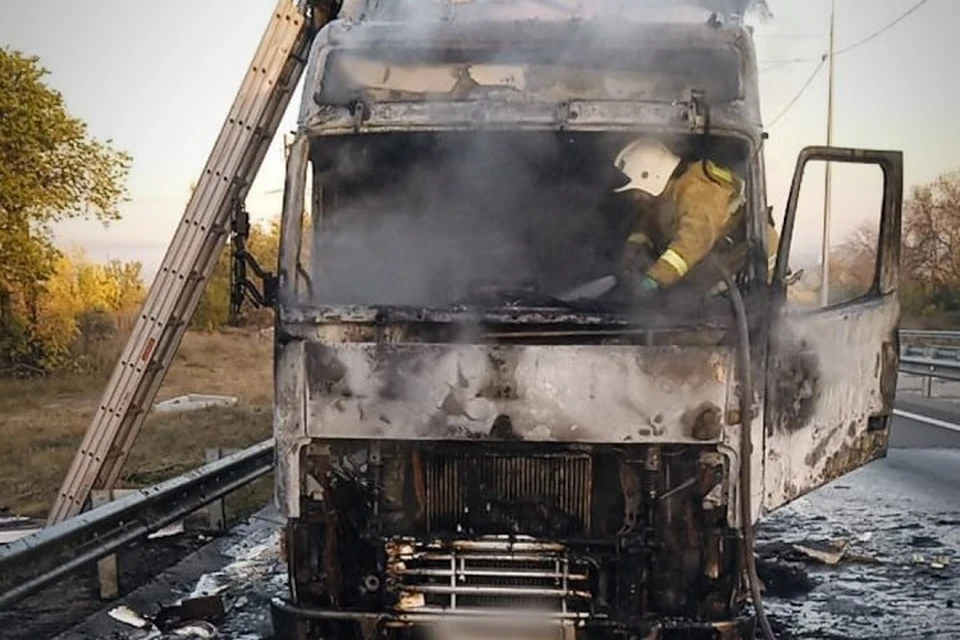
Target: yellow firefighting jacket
(688,218)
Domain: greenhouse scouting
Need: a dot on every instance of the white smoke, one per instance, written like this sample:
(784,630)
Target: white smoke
(477,209)
(457,212)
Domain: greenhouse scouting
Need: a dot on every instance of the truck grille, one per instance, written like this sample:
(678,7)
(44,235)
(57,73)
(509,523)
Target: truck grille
(544,495)
(490,576)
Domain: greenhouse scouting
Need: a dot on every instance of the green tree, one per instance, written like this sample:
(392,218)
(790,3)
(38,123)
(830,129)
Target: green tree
(51,169)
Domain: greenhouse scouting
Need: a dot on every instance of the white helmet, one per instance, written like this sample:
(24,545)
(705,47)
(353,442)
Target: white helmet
(648,164)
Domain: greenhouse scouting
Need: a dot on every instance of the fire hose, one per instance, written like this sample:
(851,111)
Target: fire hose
(746,444)
(600,286)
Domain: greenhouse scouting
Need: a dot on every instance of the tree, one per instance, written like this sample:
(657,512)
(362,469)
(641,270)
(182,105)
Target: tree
(81,305)
(853,263)
(931,244)
(50,170)
(932,232)
(930,253)
(130,287)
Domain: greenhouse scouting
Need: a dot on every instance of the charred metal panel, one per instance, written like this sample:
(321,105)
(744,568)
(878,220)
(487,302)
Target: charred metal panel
(485,75)
(829,396)
(567,10)
(289,424)
(517,392)
(575,115)
(382,80)
(529,485)
(700,323)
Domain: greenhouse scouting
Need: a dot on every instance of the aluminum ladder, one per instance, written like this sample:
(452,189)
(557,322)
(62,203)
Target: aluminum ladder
(233,163)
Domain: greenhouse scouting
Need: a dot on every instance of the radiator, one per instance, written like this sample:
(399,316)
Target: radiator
(542,495)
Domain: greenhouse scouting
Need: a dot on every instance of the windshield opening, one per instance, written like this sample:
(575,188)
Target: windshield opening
(497,219)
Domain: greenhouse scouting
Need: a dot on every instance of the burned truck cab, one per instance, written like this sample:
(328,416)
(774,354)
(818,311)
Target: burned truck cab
(460,451)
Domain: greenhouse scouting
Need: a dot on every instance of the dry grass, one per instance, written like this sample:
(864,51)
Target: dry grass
(42,421)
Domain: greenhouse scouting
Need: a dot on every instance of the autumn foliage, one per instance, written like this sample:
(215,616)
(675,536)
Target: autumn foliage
(930,253)
(83,307)
(51,170)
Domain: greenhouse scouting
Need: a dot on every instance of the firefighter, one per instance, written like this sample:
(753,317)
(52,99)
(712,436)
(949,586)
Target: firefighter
(682,209)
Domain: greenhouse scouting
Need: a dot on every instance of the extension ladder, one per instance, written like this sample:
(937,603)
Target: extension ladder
(234,161)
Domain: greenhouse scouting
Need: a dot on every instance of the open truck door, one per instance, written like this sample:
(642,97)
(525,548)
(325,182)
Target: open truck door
(832,369)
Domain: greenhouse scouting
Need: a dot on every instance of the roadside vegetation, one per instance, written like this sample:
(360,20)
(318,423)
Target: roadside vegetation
(930,256)
(42,420)
(65,318)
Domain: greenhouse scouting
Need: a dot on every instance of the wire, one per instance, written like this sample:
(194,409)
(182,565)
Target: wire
(776,64)
(800,93)
(793,36)
(748,538)
(880,32)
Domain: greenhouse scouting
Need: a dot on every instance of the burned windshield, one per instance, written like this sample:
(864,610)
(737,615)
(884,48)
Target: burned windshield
(499,218)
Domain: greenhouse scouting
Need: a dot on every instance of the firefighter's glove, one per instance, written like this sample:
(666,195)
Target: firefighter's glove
(641,285)
(647,285)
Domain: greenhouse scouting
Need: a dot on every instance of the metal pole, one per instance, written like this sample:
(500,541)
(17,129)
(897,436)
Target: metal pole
(827,192)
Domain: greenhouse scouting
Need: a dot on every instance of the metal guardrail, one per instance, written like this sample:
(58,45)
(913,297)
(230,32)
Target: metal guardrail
(930,367)
(931,358)
(34,561)
(930,354)
(930,334)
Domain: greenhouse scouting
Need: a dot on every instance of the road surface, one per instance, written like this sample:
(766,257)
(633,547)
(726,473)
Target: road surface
(926,424)
(901,518)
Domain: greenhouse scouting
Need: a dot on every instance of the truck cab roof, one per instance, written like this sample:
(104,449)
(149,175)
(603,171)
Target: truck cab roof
(615,64)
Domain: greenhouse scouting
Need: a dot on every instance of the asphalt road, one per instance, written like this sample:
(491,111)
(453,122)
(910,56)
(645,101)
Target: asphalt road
(899,576)
(923,423)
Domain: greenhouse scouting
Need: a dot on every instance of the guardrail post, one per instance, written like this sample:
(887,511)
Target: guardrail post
(108,572)
(217,510)
(928,386)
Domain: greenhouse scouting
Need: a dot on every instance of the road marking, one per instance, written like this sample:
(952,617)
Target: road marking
(933,422)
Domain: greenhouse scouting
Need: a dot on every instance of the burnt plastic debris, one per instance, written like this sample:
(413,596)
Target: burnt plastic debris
(207,609)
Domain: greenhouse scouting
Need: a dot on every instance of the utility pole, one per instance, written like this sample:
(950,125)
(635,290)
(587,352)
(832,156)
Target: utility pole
(827,191)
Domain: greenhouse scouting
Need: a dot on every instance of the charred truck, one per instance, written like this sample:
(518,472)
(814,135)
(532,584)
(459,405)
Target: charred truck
(460,451)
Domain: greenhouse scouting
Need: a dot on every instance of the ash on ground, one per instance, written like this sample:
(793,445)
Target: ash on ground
(876,554)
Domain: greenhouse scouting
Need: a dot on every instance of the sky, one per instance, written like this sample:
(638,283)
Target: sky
(158,78)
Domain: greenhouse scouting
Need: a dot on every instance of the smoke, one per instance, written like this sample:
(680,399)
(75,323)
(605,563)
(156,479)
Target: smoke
(432,219)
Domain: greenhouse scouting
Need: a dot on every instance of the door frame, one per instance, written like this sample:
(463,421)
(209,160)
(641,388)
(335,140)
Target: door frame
(887,272)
